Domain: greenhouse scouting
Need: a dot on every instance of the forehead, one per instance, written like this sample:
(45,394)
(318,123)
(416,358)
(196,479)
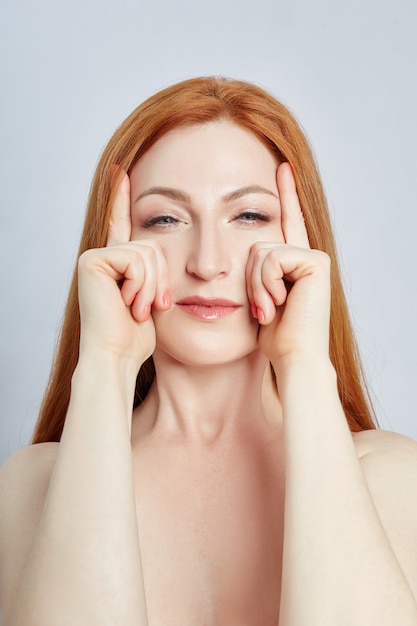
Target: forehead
(217,151)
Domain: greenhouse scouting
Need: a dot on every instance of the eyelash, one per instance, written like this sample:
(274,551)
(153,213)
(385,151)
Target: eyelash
(153,221)
(255,216)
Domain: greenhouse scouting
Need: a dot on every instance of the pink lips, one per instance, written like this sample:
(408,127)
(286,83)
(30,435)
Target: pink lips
(208,308)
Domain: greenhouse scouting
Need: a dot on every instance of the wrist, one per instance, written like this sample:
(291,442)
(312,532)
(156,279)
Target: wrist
(111,356)
(306,367)
(103,372)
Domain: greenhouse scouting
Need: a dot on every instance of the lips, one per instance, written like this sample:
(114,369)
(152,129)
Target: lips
(209,309)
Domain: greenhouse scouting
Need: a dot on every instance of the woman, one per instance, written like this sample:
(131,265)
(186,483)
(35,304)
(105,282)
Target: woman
(250,485)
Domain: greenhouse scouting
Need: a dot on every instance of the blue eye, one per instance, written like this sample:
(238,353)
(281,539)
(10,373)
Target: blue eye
(252,217)
(160,220)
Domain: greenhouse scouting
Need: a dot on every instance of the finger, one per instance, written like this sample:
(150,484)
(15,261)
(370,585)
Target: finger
(249,273)
(273,278)
(146,281)
(120,226)
(248,279)
(142,302)
(265,284)
(292,219)
(162,294)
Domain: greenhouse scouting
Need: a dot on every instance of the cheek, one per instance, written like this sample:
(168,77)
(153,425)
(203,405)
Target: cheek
(139,233)
(244,243)
(280,238)
(174,251)
(275,232)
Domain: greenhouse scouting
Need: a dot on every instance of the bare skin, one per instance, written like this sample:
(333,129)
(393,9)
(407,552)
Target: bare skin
(25,480)
(184,514)
(211,524)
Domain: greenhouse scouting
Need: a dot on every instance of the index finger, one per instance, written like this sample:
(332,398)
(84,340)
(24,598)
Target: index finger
(120,226)
(292,219)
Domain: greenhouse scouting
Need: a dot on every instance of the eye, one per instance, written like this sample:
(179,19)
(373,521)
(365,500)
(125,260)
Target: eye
(252,217)
(161,221)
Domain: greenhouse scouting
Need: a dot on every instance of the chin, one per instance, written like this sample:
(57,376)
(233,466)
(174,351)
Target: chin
(204,351)
(202,357)
(205,344)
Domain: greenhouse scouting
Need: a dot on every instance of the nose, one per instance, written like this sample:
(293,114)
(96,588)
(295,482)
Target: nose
(209,256)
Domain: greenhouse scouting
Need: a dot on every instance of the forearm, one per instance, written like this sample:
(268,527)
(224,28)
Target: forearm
(338,565)
(85,564)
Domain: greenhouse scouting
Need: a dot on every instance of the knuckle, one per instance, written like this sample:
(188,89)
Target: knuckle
(259,255)
(144,248)
(256,248)
(86,258)
(258,252)
(275,255)
(323,259)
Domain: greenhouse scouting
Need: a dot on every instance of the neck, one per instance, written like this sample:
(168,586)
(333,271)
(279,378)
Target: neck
(207,403)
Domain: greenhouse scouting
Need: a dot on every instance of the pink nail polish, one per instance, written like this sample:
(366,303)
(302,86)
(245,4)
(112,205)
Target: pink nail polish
(146,312)
(260,314)
(166,299)
(254,311)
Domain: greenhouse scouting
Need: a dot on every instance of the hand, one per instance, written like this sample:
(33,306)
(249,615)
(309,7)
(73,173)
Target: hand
(289,285)
(118,285)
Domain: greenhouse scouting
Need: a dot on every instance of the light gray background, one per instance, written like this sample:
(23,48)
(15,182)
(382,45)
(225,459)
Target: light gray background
(71,71)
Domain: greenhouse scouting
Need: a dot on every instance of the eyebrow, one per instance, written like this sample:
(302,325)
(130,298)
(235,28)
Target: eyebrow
(246,191)
(181,196)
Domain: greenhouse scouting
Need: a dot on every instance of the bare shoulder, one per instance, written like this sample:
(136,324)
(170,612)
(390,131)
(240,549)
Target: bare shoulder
(389,464)
(25,471)
(372,444)
(24,481)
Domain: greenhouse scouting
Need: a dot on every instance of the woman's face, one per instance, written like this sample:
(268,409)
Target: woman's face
(206,193)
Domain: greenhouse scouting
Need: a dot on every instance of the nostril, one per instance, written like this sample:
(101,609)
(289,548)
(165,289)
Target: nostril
(209,255)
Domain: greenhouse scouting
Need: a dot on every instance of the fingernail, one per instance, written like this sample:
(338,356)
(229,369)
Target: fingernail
(166,299)
(260,314)
(132,297)
(254,311)
(146,312)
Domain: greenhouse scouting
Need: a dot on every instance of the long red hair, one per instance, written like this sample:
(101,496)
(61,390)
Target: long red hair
(198,101)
